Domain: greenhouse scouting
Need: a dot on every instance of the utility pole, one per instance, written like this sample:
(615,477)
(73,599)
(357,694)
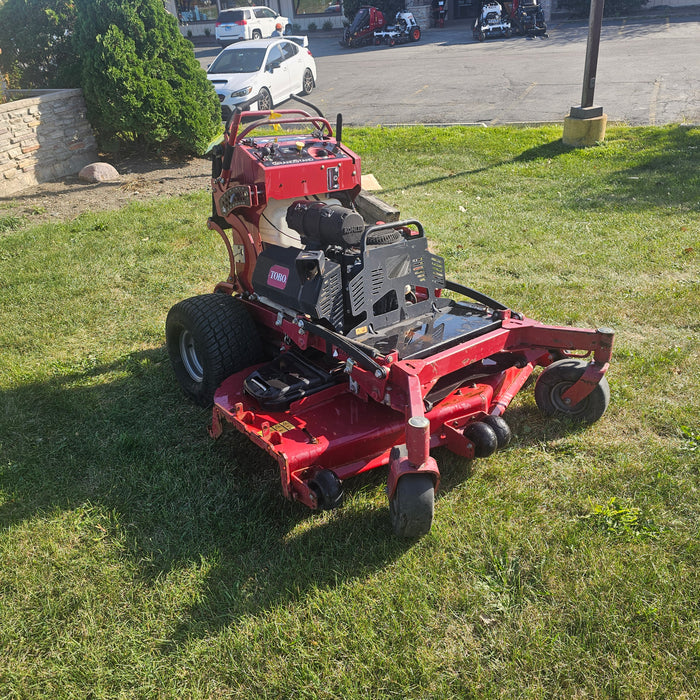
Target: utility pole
(585,125)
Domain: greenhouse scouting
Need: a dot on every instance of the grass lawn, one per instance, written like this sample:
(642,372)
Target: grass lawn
(139,558)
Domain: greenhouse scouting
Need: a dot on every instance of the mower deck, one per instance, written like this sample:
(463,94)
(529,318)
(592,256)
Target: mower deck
(450,370)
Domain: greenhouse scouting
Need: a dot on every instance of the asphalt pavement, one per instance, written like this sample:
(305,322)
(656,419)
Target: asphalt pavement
(648,73)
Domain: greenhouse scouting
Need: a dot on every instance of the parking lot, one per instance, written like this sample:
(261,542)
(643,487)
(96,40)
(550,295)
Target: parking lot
(648,73)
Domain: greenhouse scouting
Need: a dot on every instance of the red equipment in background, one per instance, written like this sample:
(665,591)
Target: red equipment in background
(361,32)
(440,12)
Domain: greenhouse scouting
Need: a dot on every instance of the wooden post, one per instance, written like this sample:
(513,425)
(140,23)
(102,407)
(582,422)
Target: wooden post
(595,23)
(585,125)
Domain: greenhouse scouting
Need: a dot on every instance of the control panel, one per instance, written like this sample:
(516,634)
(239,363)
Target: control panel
(296,166)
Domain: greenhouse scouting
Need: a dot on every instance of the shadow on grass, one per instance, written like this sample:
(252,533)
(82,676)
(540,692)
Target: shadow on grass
(644,167)
(664,173)
(122,438)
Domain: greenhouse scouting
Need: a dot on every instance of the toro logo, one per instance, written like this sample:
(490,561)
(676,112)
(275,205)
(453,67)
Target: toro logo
(277,276)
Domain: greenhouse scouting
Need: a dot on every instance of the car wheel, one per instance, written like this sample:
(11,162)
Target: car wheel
(257,34)
(307,82)
(265,100)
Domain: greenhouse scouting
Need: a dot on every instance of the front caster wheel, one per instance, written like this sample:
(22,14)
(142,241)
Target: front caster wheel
(553,383)
(484,438)
(328,489)
(412,507)
(500,427)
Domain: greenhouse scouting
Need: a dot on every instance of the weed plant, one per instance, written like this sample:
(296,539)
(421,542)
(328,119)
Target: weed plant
(139,558)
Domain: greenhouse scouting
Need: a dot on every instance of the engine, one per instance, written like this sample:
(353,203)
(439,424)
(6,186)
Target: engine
(349,276)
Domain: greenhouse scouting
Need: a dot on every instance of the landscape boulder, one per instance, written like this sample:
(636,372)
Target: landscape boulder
(98,172)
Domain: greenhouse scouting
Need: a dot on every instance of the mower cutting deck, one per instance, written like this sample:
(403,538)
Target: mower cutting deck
(338,345)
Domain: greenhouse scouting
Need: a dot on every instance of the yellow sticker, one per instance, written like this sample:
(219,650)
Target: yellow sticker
(361,331)
(282,427)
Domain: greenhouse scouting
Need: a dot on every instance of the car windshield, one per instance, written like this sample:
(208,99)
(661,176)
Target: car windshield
(238,61)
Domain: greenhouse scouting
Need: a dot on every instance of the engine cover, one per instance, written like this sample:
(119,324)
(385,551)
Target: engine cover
(302,280)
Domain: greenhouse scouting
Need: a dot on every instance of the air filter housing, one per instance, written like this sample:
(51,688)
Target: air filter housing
(321,224)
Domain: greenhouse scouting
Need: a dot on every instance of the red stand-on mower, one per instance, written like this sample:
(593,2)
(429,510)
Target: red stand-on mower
(361,32)
(338,345)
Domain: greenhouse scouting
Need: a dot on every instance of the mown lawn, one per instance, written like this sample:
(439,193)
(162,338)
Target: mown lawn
(139,558)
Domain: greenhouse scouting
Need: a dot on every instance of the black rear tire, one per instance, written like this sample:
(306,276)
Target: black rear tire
(209,337)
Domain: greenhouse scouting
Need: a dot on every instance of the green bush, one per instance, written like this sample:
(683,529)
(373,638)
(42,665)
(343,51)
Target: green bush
(37,51)
(327,26)
(613,8)
(141,81)
(312,27)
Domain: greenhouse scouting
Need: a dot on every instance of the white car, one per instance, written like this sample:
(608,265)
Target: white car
(273,68)
(248,23)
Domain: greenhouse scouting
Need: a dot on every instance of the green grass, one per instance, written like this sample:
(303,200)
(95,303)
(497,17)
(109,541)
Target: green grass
(138,558)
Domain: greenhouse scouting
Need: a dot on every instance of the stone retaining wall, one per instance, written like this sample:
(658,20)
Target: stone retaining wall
(43,137)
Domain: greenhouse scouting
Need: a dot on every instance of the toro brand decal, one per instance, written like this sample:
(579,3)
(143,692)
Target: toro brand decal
(277,276)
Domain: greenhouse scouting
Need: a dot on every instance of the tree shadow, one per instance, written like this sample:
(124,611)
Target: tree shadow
(121,437)
(669,166)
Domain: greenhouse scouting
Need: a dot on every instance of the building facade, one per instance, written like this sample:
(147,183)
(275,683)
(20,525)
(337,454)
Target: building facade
(198,17)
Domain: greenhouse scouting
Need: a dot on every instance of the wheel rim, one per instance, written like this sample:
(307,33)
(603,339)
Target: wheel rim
(308,81)
(564,405)
(188,353)
(265,102)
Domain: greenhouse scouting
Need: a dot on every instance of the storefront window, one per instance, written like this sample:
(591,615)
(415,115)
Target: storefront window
(317,7)
(197,10)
